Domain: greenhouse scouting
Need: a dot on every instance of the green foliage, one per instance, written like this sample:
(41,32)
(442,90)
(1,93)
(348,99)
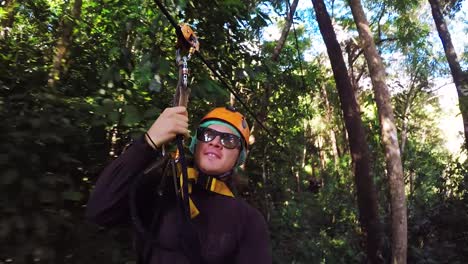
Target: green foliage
(120,74)
(438,230)
(451,7)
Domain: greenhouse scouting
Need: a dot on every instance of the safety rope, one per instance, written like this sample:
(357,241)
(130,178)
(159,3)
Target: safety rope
(218,76)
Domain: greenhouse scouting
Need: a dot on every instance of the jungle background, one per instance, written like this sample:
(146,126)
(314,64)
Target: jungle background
(79,79)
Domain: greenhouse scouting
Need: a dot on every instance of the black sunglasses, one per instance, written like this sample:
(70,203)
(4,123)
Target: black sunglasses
(228,140)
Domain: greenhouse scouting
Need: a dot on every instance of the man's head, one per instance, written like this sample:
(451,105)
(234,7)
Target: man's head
(220,142)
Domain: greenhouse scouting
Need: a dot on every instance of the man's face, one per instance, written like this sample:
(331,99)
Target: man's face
(212,157)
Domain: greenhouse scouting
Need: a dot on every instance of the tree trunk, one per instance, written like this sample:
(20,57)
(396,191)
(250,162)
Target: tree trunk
(404,129)
(232,100)
(460,78)
(366,192)
(8,19)
(63,45)
(303,164)
(414,90)
(353,52)
(285,32)
(329,113)
(263,113)
(412,176)
(405,118)
(388,134)
(350,51)
(320,141)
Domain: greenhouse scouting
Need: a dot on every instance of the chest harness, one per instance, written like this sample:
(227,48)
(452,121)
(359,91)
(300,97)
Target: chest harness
(209,183)
(187,235)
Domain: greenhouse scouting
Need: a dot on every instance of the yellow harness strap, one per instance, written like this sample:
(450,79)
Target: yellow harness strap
(212,185)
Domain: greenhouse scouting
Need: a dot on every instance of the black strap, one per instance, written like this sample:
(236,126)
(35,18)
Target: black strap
(147,236)
(188,236)
(183,165)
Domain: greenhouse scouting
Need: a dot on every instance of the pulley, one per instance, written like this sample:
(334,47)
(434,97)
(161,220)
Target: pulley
(187,42)
(187,39)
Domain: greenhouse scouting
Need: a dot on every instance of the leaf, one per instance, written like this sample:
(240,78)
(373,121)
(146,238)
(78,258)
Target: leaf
(40,225)
(19,222)
(131,115)
(47,197)
(155,84)
(152,113)
(164,67)
(108,104)
(72,196)
(5,227)
(106,107)
(181,4)
(9,176)
(114,117)
(3,159)
(29,185)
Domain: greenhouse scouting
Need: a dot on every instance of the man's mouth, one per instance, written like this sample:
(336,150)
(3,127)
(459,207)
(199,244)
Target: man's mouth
(212,155)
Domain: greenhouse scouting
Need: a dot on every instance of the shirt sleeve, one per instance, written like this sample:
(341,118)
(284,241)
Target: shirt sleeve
(108,204)
(254,246)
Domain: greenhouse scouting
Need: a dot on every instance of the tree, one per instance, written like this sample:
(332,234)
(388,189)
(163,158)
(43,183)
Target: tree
(460,78)
(366,192)
(388,135)
(64,43)
(118,74)
(7,20)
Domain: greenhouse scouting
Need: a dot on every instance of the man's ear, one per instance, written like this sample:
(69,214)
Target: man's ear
(241,158)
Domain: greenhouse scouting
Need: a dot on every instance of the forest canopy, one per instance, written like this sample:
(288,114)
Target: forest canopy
(358,113)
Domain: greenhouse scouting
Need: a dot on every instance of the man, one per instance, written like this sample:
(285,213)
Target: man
(220,228)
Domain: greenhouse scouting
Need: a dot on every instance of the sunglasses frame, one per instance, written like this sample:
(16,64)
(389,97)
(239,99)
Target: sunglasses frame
(222,137)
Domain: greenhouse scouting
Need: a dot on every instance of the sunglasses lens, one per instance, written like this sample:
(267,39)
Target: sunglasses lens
(228,140)
(205,134)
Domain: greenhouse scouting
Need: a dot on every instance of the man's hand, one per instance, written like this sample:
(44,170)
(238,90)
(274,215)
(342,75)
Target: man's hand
(171,122)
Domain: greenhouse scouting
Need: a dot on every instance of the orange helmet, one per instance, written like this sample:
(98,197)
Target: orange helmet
(231,116)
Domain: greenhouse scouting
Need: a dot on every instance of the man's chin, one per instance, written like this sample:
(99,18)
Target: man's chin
(209,171)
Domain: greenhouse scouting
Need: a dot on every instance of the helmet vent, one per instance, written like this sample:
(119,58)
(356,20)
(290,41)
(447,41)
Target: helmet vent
(244,123)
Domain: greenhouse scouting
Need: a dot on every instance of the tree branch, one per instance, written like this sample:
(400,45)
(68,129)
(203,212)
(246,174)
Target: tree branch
(285,32)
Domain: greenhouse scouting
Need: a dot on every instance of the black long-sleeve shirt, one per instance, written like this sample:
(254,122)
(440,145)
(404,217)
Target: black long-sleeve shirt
(229,229)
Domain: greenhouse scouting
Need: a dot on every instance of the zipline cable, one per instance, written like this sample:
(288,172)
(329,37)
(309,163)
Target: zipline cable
(240,100)
(297,48)
(166,13)
(218,76)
